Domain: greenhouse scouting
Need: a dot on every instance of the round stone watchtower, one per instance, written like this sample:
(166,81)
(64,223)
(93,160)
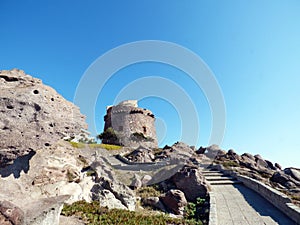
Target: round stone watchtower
(133,126)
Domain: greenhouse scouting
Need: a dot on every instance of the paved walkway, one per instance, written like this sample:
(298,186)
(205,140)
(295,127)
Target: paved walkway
(239,205)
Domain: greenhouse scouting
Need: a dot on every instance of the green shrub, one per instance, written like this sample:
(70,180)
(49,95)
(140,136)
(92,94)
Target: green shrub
(194,211)
(229,164)
(150,191)
(93,214)
(109,135)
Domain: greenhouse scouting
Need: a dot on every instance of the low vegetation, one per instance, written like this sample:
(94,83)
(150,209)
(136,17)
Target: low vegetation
(149,191)
(229,164)
(197,211)
(93,214)
(109,136)
(104,146)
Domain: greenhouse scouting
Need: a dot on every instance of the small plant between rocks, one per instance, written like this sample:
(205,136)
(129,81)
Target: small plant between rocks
(197,211)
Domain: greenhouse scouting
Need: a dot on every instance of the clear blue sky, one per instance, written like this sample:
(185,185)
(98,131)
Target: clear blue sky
(252,47)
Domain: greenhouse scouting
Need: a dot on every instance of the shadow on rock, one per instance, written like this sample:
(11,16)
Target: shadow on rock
(20,164)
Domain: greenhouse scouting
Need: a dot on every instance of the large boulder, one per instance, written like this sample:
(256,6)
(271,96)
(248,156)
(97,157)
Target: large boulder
(175,201)
(191,182)
(214,151)
(285,179)
(141,155)
(293,172)
(113,194)
(33,116)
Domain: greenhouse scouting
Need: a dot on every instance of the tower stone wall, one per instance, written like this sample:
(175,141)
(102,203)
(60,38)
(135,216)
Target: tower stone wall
(133,126)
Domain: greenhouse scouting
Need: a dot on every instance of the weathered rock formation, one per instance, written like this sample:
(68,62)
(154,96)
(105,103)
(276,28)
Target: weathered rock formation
(191,182)
(39,171)
(178,152)
(33,116)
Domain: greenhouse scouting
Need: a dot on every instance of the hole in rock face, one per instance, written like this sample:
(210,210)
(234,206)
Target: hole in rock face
(9,107)
(36,92)
(9,79)
(37,107)
(47,144)
(51,124)
(52,99)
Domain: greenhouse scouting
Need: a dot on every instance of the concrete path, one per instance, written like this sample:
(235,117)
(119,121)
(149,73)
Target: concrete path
(238,205)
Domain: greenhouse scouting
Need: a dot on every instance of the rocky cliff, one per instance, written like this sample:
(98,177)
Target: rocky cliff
(33,116)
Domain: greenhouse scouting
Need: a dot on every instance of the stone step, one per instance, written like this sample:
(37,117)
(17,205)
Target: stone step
(213,174)
(219,178)
(226,182)
(211,171)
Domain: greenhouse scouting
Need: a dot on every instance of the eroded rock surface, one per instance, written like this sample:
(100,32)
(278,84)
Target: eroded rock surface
(33,116)
(191,182)
(10,214)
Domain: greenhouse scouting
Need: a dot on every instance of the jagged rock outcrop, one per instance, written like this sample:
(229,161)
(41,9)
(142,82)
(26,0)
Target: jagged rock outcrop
(33,116)
(141,155)
(39,171)
(256,164)
(178,152)
(191,182)
(113,194)
(288,178)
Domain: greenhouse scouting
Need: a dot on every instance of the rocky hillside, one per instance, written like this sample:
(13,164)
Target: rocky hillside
(40,172)
(33,116)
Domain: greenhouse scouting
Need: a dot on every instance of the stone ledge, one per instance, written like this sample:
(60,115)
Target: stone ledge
(213,219)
